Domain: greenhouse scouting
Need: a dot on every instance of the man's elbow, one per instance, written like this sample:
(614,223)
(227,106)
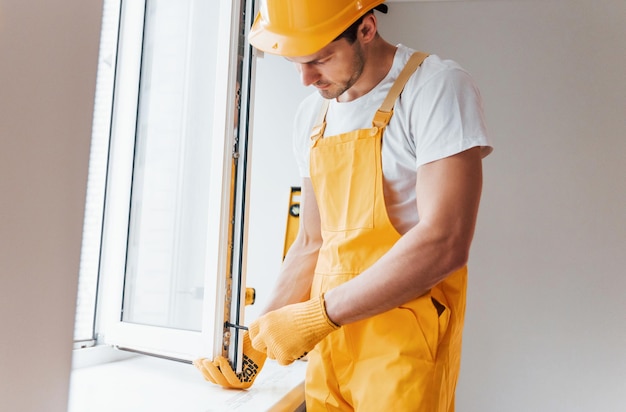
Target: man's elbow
(456,253)
(456,261)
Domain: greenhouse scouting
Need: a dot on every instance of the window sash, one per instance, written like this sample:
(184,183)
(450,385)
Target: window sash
(226,209)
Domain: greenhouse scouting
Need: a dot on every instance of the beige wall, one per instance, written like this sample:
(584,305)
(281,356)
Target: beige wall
(546,316)
(48,56)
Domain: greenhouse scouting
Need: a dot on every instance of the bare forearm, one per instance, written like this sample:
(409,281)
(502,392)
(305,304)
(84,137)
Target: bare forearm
(411,268)
(294,281)
(296,275)
(448,193)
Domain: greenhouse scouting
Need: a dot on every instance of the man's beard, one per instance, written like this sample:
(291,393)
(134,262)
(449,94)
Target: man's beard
(338,89)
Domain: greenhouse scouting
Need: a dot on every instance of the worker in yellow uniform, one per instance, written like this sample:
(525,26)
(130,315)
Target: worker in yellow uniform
(389,147)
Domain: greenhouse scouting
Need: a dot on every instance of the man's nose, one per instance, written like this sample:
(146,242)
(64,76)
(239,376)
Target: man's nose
(308,74)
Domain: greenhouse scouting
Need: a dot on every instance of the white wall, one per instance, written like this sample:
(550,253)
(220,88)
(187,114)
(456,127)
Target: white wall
(274,171)
(546,316)
(48,55)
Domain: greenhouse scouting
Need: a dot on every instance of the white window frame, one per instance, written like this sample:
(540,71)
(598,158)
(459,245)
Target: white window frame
(214,338)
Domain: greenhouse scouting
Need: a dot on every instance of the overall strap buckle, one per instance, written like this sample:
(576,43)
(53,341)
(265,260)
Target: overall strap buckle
(320,123)
(382,118)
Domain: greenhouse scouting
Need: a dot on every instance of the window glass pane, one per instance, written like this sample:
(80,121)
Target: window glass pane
(168,217)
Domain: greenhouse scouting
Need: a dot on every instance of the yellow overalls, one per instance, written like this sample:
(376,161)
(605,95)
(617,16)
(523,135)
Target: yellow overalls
(406,359)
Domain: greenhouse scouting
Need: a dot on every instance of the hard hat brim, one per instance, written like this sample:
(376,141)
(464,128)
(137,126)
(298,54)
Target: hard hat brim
(286,45)
(303,43)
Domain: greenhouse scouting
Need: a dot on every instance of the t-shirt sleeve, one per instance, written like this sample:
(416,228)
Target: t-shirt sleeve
(299,146)
(448,117)
(302,125)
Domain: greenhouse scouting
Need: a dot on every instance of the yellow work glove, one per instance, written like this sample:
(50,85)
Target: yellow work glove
(292,331)
(221,373)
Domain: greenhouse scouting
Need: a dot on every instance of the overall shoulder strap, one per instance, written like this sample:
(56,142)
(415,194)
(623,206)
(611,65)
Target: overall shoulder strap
(320,123)
(384,113)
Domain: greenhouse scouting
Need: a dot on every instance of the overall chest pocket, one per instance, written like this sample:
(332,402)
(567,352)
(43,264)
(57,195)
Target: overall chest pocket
(344,173)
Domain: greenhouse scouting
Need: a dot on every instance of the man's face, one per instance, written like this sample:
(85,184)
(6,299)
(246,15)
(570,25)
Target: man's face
(332,70)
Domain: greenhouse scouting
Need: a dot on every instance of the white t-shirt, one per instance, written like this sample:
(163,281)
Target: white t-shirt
(438,114)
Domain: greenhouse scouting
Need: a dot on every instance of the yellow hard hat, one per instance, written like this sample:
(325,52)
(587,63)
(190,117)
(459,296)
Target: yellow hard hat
(303,27)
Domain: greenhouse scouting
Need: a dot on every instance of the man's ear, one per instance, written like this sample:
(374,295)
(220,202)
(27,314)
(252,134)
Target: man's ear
(367,30)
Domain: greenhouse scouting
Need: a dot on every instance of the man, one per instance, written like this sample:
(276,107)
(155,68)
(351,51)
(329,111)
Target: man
(390,152)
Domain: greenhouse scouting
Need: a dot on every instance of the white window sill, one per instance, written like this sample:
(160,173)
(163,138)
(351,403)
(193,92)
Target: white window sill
(144,383)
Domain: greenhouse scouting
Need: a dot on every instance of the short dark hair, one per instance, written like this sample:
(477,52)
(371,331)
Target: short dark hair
(350,33)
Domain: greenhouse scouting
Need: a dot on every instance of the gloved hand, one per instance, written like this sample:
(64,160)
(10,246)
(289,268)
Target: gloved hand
(221,373)
(292,331)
